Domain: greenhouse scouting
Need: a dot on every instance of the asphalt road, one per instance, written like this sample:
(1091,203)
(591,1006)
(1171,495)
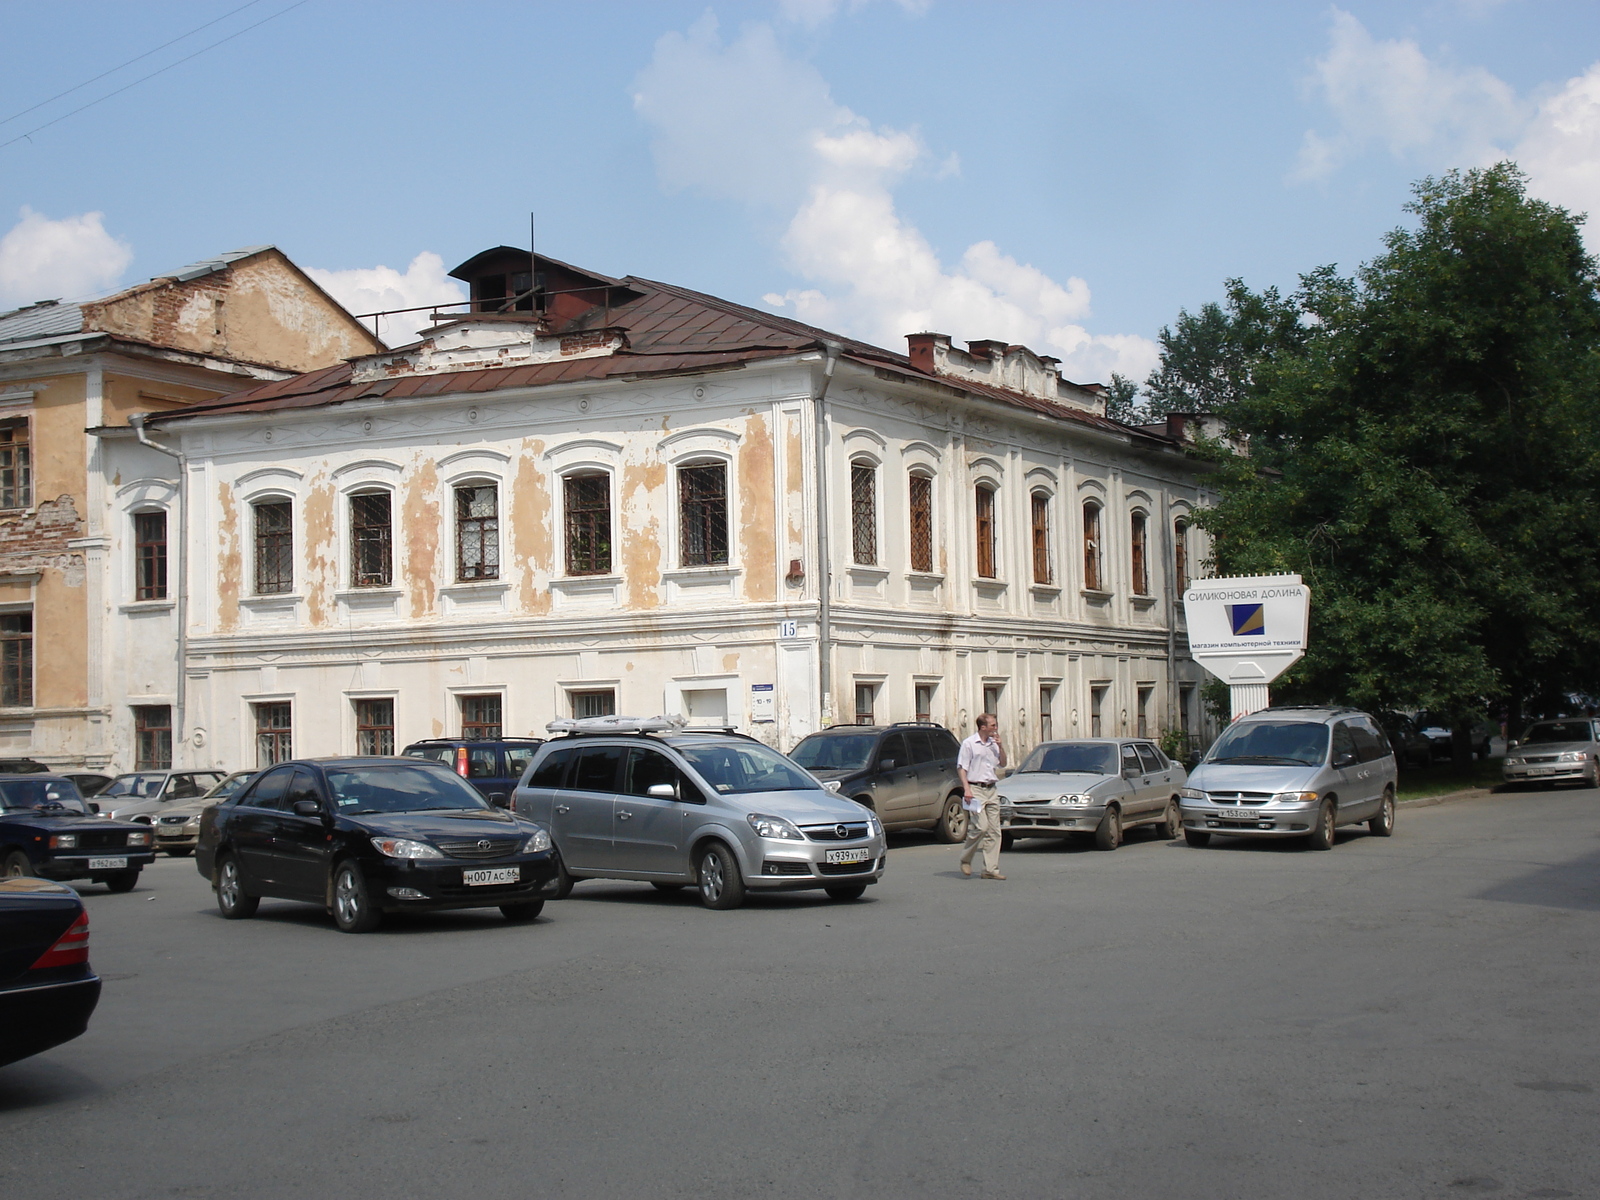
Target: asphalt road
(1412,1017)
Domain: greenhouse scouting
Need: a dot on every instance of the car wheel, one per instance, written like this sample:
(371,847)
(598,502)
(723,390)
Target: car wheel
(1108,834)
(662,886)
(353,909)
(17,865)
(721,885)
(1382,825)
(1197,837)
(1593,779)
(1321,836)
(232,900)
(952,824)
(122,881)
(564,881)
(180,851)
(525,911)
(853,891)
(1172,824)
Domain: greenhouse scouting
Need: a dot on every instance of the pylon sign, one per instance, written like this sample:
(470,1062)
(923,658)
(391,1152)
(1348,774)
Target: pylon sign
(1250,629)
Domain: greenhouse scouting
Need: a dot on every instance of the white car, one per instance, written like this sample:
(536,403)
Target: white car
(1096,786)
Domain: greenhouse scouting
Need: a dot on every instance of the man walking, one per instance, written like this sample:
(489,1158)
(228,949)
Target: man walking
(979,765)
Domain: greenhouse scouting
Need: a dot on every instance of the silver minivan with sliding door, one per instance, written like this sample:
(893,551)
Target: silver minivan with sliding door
(1292,773)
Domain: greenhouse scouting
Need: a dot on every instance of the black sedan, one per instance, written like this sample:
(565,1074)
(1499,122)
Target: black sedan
(366,836)
(47,990)
(47,829)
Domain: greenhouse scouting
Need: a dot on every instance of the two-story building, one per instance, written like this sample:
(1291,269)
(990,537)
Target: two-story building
(619,495)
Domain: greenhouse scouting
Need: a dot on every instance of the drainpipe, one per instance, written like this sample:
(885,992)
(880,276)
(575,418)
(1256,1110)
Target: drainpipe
(824,556)
(180,697)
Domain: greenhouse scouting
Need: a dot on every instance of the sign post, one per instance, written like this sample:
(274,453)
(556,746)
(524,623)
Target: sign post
(1247,631)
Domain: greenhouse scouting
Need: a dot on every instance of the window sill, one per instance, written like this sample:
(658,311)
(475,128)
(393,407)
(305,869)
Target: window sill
(925,576)
(145,606)
(1141,601)
(1095,596)
(376,593)
(474,587)
(717,571)
(272,600)
(580,582)
(867,574)
(994,586)
(1045,591)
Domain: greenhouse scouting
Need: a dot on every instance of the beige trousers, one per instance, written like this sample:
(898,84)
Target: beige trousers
(983,828)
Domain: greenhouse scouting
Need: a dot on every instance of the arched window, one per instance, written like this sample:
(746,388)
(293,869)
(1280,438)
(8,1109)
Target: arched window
(274,538)
(985,531)
(150,555)
(703,514)
(1141,567)
(588,500)
(921,495)
(1092,580)
(1180,553)
(371,540)
(1041,537)
(477,531)
(864,513)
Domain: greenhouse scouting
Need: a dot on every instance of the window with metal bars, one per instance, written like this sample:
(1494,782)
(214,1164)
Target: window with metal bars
(274,738)
(274,548)
(374,726)
(477,532)
(480,718)
(1180,555)
(16,465)
(595,702)
(588,524)
(1091,547)
(703,509)
(1140,576)
(152,737)
(16,659)
(150,556)
(864,514)
(921,523)
(371,541)
(1041,538)
(985,530)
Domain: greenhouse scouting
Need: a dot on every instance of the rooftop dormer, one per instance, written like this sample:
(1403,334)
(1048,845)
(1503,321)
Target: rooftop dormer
(513,281)
(999,365)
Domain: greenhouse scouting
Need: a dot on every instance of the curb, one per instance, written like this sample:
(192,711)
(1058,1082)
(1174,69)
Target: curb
(1430,801)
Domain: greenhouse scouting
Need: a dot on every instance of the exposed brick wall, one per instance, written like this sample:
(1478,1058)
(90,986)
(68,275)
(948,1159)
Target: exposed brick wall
(38,539)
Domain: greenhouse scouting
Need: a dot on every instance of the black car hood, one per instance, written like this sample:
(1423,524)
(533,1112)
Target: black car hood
(74,822)
(445,823)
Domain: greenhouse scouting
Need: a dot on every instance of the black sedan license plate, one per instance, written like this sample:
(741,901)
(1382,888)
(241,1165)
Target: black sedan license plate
(859,854)
(492,875)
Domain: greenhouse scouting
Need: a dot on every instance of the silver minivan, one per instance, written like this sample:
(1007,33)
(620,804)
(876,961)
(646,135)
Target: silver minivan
(626,798)
(1292,772)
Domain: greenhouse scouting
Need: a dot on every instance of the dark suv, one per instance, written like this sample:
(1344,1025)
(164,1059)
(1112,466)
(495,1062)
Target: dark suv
(906,773)
(493,767)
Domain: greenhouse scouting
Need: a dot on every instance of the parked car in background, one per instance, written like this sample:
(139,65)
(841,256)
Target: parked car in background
(493,767)
(1563,751)
(1297,772)
(906,773)
(140,795)
(48,830)
(88,784)
(1413,749)
(646,799)
(47,989)
(1437,730)
(367,836)
(178,825)
(1099,787)
(22,766)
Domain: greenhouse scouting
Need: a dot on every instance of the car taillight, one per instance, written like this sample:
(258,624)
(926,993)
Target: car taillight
(71,948)
(461,761)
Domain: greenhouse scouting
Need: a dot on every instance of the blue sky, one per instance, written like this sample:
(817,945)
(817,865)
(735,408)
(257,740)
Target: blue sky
(1065,175)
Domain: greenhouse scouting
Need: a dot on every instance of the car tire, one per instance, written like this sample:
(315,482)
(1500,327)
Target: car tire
(662,886)
(1321,835)
(527,910)
(1382,825)
(233,902)
(17,865)
(564,881)
(353,908)
(853,891)
(1108,834)
(1593,780)
(179,851)
(1171,827)
(951,827)
(122,881)
(717,876)
(1198,838)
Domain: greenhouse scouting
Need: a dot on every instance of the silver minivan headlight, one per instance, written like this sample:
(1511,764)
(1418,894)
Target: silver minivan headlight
(775,827)
(1190,793)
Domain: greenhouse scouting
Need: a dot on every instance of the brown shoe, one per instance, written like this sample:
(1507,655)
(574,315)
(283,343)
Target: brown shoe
(966,868)
(993,875)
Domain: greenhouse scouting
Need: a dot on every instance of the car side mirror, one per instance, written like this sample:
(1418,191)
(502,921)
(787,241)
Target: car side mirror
(1512,744)
(887,764)
(307,808)
(661,791)
(1345,760)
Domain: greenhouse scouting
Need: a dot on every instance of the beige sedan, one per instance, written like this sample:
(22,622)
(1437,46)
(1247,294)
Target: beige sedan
(178,826)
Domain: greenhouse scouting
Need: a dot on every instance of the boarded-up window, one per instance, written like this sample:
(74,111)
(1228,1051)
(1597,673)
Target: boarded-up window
(150,556)
(371,541)
(274,741)
(864,514)
(921,523)
(274,548)
(703,510)
(1091,547)
(1041,538)
(16,465)
(152,737)
(1180,555)
(374,726)
(1141,570)
(16,659)
(985,531)
(477,532)
(480,718)
(588,524)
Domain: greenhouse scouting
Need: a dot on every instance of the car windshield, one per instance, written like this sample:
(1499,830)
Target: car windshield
(21,794)
(1558,731)
(1088,758)
(835,751)
(733,768)
(135,785)
(1272,744)
(396,788)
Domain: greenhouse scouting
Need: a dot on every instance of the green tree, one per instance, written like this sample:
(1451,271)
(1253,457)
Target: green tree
(1122,400)
(1424,450)
(1209,358)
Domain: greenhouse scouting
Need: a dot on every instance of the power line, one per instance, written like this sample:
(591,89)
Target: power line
(152,75)
(80,86)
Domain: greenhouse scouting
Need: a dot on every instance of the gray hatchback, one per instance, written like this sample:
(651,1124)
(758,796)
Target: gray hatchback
(1292,772)
(628,798)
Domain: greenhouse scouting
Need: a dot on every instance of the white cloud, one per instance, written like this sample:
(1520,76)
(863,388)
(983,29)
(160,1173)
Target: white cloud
(813,14)
(1561,148)
(41,259)
(373,289)
(744,121)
